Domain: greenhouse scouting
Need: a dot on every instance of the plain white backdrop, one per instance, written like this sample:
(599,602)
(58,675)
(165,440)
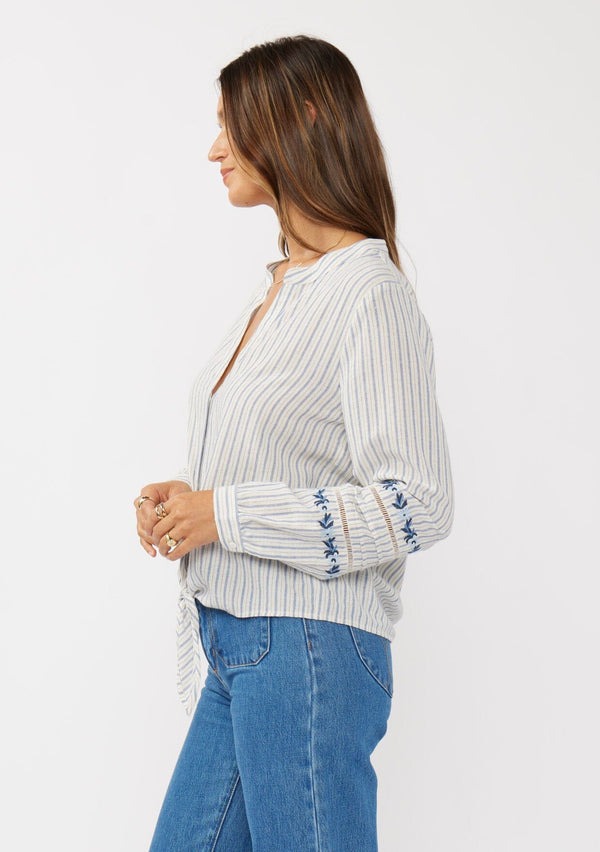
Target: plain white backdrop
(122,265)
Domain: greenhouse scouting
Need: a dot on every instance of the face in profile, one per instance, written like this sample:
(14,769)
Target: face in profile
(243,190)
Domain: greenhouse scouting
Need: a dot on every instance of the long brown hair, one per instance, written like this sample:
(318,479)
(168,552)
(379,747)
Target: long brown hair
(330,166)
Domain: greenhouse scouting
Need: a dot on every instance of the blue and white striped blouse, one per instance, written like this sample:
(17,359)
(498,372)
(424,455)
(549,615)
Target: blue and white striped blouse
(325,449)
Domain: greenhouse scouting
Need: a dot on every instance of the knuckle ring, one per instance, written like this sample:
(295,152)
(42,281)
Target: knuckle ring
(160,510)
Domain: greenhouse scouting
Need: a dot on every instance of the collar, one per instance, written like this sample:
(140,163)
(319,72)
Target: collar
(327,262)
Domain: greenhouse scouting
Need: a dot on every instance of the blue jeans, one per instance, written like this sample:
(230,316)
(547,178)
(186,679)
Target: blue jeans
(277,756)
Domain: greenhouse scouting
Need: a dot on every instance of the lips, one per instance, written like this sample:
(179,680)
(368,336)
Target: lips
(225,172)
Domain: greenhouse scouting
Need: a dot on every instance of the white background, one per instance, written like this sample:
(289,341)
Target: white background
(122,264)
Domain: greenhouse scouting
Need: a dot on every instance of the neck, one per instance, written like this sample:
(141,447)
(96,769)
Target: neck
(323,237)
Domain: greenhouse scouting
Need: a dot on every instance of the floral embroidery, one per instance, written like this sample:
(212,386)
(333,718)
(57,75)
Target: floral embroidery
(401,504)
(344,520)
(326,523)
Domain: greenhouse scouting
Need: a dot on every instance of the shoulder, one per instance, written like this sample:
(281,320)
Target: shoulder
(370,280)
(375,298)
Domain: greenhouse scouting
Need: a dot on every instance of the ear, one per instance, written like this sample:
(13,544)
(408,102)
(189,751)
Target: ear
(311,111)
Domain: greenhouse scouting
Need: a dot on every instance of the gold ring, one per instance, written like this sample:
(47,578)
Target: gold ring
(160,510)
(171,542)
(141,500)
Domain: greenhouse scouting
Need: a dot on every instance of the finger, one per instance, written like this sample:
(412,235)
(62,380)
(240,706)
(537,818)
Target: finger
(175,514)
(142,529)
(177,502)
(163,547)
(147,518)
(148,494)
(183,547)
(160,529)
(170,504)
(142,534)
(147,547)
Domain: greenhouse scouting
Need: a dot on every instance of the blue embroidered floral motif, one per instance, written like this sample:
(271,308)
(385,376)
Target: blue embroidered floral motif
(326,523)
(401,504)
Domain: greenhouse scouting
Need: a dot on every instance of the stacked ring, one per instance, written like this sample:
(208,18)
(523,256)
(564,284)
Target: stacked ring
(160,511)
(171,542)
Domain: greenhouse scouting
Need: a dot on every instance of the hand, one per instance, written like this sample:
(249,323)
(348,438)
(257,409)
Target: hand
(190,521)
(158,492)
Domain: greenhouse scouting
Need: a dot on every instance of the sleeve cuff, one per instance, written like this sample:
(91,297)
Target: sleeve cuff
(226,517)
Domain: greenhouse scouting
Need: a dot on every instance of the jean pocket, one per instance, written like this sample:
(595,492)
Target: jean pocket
(239,641)
(376,656)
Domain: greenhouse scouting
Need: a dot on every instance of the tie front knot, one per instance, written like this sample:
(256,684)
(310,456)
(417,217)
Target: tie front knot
(189,655)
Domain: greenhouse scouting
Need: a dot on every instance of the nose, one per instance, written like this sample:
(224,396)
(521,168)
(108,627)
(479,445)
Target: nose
(219,148)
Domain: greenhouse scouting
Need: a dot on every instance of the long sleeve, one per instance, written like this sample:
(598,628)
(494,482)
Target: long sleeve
(402,498)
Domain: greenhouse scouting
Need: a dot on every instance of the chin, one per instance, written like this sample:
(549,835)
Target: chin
(249,196)
(244,202)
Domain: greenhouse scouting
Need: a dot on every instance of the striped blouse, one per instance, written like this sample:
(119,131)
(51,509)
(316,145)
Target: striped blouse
(325,449)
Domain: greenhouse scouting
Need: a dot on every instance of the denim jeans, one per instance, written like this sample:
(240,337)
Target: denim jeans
(277,756)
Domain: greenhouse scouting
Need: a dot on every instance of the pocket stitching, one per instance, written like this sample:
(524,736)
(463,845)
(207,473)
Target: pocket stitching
(243,665)
(388,690)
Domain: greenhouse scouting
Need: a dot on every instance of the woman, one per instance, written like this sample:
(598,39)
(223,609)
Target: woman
(317,461)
